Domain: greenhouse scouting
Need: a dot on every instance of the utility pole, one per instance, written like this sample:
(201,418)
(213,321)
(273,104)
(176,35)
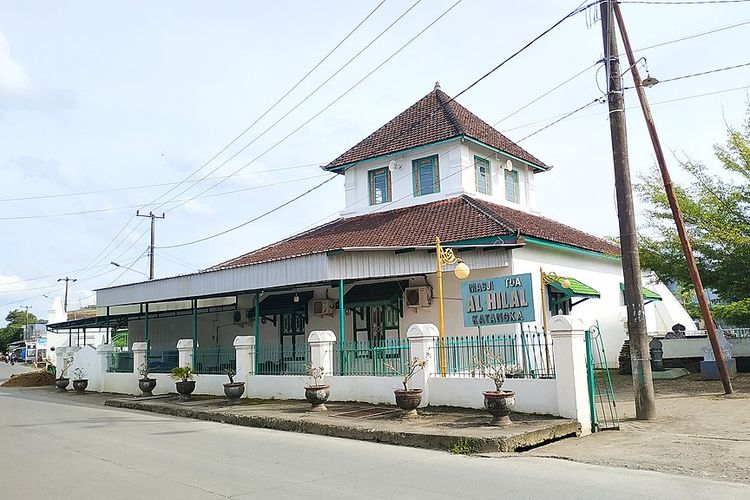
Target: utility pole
(675,207)
(26,329)
(643,385)
(66,280)
(153,238)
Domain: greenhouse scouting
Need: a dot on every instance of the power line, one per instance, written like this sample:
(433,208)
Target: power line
(695,35)
(702,73)
(598,100)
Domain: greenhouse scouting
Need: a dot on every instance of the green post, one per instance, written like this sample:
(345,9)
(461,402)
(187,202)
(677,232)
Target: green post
(257,329)
(106,341)
(342,316)
(148,342)
(592,388)
(195,331)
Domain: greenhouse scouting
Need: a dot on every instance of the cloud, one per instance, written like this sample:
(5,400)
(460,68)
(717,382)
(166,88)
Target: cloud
(13,79)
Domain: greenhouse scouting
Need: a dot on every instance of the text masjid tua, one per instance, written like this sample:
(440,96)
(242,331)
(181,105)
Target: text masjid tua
(496,301)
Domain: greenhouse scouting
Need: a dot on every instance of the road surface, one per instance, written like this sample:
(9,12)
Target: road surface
(69,449)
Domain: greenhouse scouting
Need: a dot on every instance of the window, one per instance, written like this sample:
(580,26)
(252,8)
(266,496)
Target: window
(426,175)
(484,181)
(380,186)
(512,190)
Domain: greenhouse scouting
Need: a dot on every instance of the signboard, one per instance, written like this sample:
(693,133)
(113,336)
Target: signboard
(498,301)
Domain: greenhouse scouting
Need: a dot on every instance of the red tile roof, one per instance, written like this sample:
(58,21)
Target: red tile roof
(433,118)
(454,219)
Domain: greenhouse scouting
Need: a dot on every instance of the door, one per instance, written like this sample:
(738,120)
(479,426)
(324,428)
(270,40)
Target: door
(293,344)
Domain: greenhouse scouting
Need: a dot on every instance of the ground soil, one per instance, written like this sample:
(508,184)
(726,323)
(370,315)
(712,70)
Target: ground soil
(699,431)
(30,379)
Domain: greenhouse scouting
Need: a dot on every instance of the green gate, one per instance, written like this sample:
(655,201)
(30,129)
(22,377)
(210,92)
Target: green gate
(601,391)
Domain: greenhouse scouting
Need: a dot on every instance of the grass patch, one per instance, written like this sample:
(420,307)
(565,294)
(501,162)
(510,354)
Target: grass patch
(464,446)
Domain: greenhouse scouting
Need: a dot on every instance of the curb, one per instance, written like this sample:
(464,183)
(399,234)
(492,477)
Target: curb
(412,439)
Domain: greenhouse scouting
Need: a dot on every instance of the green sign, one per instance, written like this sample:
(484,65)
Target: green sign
(498,301)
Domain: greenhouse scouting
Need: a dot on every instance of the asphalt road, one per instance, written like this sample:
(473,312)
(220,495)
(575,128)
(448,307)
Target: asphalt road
(69,449)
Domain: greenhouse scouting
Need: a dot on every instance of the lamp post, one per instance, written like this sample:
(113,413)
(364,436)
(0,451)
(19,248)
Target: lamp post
(128,268)
(446,257)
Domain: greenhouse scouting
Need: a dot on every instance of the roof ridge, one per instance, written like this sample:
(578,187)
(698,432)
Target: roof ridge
(470,201)
(445,100)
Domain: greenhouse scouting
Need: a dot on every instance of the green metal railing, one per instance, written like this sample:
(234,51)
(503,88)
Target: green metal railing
(214,360)
(368,358)
(282,359)
(525,355)
(121,362)
(162,361)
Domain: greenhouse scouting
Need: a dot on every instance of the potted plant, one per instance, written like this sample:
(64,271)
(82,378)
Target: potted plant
(317,393)
(62,381)
(498,402)
(408,399)
(233,390)
(80,382)
(145,383)
(183,377)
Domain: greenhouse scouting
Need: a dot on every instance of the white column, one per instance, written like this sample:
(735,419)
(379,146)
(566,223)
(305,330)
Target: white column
(139,356)
(569,347)
(321,350)
(96,383)
(61,353)
(244,347)
(185,352)
(422,339)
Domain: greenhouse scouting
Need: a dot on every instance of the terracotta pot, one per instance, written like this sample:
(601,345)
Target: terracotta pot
(80,385)
(62,383)
(408,400)
(234,390)
(185,388)
(499,404)
(147,385)
(317,395)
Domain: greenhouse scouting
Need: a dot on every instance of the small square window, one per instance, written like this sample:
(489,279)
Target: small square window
(484,179)
(380,186)
(426,175)
(512,189)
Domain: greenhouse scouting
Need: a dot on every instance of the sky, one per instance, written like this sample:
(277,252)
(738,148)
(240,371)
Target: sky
(106,106)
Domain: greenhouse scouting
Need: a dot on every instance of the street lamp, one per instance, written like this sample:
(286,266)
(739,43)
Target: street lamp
(445,257)
(128,268)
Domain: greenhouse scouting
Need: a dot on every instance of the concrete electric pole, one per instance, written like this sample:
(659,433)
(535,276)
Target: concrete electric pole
(643,385)
(65,301)
(153,238)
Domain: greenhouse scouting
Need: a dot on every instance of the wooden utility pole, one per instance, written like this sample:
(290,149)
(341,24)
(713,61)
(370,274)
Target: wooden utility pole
(65,301)
(675,207)
(643,385)
(153,238)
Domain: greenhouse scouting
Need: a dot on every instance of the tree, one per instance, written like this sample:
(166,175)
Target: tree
(17,320)
(716,208)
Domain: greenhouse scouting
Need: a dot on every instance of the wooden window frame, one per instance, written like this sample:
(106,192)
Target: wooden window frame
(371,176)
(478,160)
(415,165)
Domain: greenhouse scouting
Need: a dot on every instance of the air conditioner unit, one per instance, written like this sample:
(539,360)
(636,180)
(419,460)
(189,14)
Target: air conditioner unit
(323,307)
(418,296)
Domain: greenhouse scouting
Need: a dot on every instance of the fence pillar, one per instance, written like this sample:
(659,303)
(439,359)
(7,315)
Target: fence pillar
(321,349)
(422,338)
(139,356)
(185,353)
(244,347)
(569,347)
(61,358)
(104,352)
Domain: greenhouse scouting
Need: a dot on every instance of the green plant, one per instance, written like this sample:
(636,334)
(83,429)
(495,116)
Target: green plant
(464,446)
(316,373)
(230,372)
(412,367)
(79,373)
(182,373)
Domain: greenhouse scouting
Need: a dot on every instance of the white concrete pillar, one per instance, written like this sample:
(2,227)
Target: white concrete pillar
(185,352)
(61,354)
(244,347)
(104,351)
(321,350)
(422,339)
(139,356)
(569,347)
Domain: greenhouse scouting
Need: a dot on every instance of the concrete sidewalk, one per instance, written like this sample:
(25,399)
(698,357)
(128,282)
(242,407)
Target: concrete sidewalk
(459,430)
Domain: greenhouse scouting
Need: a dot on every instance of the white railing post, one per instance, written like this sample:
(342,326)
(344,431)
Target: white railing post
(244,347)
(104,351)
(569,347)
(139,356)
(422,338)
(185,352)
(321,350)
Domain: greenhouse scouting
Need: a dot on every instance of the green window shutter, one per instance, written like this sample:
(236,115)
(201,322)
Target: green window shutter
(380,186)
(426,175)
(482,175)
